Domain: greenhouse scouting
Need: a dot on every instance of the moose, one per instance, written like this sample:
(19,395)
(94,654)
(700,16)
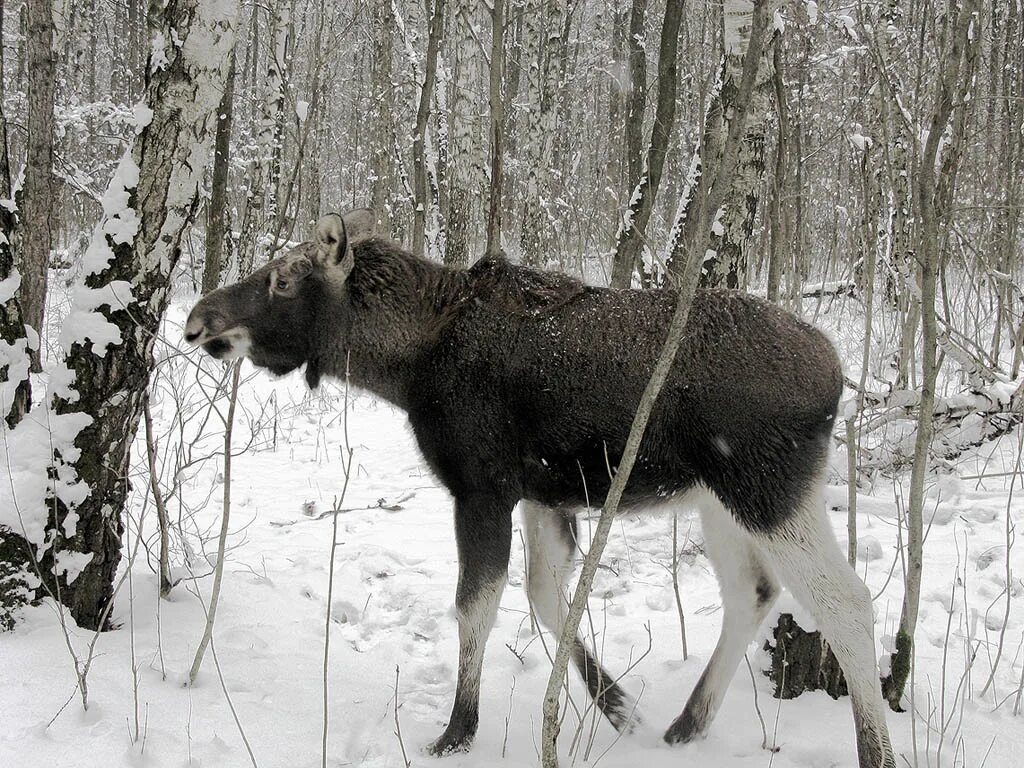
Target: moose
(521,385)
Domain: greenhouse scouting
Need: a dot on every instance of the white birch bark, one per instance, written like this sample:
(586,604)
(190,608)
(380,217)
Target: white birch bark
(260,201)
(542,32)
(117,306)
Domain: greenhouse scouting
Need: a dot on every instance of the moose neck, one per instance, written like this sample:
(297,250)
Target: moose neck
(393,309)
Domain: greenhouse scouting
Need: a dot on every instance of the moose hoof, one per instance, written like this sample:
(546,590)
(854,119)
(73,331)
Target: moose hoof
(683,730)
(455,739)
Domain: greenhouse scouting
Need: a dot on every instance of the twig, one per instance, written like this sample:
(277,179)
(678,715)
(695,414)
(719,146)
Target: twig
(218,573)
(398,725)
(757,706)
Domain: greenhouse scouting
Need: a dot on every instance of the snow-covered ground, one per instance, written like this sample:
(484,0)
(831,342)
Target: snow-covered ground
(392,615)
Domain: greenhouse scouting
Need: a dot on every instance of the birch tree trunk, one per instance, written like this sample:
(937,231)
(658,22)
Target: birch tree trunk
(110,331)
(260,200)
(467,179)
(542,32)
(15,392)
(382,117)
(421,186)
(631,234)
(725,263)
(497,122)
(701,201)
(218,223)
(38,193)
(636,92)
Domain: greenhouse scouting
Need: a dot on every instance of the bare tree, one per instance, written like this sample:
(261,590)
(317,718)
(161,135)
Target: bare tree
(421,188)
(961,44)
(497,124)
(467,179)
(15,392)
(218,220)
(261,197)
(37,205)
(382,119)
(542,35)
(126,288)
(631,234)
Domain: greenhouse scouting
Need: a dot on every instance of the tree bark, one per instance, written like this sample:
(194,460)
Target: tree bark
(15,390)
(382,112)
(636,89)
(260,200)
(218,223)
(632,231)
(953,83)
(466,172)
(15,563)
(126,288)
(497,117)
(726,263)
(38,205)
(724,128)
(421,187)
(542,32)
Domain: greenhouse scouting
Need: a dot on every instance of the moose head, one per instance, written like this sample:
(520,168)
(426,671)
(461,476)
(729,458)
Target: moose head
(272,316)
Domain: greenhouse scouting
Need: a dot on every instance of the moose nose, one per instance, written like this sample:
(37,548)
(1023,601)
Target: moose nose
(194,330)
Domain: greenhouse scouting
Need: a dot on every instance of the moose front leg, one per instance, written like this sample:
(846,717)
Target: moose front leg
(483,532)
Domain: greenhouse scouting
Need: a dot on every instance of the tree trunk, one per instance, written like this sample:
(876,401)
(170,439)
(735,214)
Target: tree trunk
(802,661)
(953,84)
(382,113)
(497,117)
(724,126)
(261,195)
(127,281)
(421,187)
(636,90)
(218,224)
(15,392)
(778,214)
(15,395)
(542,31)
(466,172)
(632,231)
(38,193)
(725,263)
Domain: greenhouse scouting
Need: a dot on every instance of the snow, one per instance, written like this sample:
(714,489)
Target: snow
(859,140)
(812,11)
(120,222)
(778,21)
(394,581)
(24,488)
(143,116)
(158,53)
(9,285)
(302,110)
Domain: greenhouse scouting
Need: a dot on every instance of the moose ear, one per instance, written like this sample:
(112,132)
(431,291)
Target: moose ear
(360,223)
(332,243)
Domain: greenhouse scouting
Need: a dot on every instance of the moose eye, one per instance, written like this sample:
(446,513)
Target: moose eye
(281,284)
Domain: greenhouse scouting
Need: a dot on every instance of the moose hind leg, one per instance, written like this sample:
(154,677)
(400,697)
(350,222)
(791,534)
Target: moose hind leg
(550,538)
(807,558)
(748,590)
(483,531)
